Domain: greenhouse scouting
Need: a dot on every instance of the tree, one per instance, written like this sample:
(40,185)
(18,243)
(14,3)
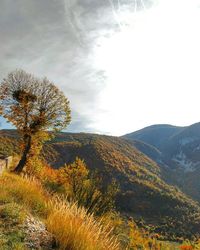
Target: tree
(32,105)
(86,189)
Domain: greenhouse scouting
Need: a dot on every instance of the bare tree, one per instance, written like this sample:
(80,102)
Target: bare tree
(32,105)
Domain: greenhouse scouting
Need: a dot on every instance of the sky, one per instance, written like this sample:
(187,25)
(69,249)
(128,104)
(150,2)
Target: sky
(123,64)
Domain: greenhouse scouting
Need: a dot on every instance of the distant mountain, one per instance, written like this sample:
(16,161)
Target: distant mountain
(154,135)
(151,151)
(143,193)
(179,153)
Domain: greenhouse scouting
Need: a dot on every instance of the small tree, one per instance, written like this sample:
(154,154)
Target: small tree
(86,189)
(32,105)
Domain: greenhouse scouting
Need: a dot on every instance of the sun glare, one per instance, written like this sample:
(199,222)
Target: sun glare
(152,67)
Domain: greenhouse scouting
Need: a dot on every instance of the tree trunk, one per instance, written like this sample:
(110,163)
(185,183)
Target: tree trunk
(22,162)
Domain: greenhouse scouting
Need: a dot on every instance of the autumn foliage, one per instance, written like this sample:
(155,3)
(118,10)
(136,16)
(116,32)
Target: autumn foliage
(32,105)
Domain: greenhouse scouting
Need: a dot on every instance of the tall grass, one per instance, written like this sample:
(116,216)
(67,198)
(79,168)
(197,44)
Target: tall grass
(75,229)
(71,226)
(27,192)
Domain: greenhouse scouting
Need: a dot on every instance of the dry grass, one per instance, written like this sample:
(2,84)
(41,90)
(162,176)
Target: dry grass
(72,227)
(24,191)
(75,229)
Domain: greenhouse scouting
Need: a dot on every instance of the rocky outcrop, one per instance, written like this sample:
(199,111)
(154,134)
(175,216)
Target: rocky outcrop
(36,235)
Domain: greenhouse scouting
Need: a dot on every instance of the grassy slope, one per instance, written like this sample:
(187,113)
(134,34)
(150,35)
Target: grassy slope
(71,226)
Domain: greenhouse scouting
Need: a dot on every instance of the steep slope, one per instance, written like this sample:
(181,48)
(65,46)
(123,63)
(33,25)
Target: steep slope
(149,150)
(179,155)
(143,194)
(31,219)
(184,144)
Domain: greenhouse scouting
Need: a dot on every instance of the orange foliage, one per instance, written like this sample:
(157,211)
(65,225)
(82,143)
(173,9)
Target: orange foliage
(49,174)
(186,247)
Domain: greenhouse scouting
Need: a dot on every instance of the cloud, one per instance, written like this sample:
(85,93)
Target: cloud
(58,39)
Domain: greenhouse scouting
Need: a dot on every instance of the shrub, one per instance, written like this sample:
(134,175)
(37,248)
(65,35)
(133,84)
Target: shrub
(86,189)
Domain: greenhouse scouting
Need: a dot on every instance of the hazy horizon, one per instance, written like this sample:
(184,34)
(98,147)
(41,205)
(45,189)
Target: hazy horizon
(3,126)
(123,64)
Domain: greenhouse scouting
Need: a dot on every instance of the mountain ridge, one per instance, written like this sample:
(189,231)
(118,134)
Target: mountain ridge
(179,154)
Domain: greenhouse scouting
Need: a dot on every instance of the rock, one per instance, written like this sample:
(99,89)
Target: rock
(36,234)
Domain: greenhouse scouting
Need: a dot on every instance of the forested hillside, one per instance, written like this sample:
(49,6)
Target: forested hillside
(143,193)
(176,150)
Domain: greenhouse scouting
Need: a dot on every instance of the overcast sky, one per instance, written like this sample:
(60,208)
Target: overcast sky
(123,64)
